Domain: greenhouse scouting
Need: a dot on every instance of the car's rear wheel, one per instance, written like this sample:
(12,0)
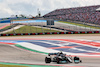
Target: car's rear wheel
(47,60)
(58,60)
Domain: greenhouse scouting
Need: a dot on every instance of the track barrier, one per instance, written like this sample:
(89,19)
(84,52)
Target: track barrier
(48,33)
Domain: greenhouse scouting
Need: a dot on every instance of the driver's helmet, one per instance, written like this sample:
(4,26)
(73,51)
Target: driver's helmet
(61,52)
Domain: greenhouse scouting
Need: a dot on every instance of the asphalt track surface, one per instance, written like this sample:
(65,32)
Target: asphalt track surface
(9,53)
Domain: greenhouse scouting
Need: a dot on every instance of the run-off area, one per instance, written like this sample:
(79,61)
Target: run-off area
(13,53)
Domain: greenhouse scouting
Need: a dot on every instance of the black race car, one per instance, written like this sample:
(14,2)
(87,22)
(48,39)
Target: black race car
(61,58)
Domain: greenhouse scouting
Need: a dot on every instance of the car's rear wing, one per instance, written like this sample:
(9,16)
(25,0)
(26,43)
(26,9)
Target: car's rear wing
(52,54)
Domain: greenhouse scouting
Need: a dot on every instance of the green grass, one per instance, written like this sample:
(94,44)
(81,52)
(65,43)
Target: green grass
(80,25)
(31,29)
(2,65)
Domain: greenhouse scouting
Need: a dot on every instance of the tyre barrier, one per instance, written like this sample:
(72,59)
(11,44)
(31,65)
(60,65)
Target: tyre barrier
(48,33)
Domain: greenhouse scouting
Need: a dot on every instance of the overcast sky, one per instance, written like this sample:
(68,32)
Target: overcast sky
(29,7)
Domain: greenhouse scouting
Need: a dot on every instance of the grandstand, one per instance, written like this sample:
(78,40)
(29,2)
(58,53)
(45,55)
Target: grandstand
(88,14)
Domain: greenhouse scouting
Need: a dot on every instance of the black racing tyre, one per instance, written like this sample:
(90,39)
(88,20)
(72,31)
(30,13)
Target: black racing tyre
(58,60)
(76,59)
(47,60)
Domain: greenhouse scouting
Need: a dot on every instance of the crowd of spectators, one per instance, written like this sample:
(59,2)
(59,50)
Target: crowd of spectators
(88,14)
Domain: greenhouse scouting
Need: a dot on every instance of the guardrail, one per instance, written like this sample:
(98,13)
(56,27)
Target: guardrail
(48,33)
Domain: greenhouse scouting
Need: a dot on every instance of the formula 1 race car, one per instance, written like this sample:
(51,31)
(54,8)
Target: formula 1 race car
(61,58)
